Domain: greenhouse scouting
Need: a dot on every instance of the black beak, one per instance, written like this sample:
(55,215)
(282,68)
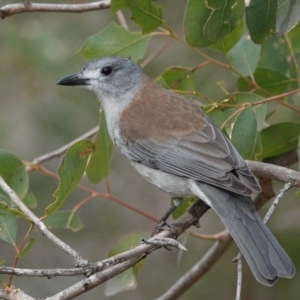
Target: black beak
(74,79)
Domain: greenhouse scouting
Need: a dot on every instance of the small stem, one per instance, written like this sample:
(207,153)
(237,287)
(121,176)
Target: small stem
(19,250)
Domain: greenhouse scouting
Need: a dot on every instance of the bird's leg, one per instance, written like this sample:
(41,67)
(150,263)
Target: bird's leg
(163,221)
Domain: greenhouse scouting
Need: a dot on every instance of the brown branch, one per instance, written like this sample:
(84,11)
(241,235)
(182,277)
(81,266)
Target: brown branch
(18,8)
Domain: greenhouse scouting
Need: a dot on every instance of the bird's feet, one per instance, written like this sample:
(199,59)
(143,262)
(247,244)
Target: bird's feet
(163,225)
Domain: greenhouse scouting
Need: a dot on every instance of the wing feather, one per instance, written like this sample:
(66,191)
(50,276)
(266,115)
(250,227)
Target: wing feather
(206,156)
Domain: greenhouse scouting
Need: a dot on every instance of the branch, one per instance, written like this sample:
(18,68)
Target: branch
(16,200)
(285,188)
(114,265)
(14,294)
(239,261)
(274,172)
(60,151)
(49,273)
(18,8)
(134,256)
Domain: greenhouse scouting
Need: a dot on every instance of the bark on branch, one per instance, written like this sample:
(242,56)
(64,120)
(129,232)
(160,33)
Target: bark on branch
(18,8)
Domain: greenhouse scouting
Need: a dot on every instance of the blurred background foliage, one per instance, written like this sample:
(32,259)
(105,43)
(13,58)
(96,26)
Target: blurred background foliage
(36,117)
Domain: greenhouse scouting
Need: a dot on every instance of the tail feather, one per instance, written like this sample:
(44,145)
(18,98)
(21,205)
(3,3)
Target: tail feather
(265,256)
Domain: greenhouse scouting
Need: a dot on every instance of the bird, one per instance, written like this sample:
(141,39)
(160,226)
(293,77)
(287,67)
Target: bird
(174,145)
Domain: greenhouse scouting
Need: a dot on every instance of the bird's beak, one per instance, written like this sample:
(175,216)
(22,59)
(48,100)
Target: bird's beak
(74,79)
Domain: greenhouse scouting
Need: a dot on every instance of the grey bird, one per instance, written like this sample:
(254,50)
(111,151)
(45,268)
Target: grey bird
(171,142)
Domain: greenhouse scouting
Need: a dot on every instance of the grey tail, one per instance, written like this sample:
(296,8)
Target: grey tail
(265,256)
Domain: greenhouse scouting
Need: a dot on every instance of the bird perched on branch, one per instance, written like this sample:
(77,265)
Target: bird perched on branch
(171,142)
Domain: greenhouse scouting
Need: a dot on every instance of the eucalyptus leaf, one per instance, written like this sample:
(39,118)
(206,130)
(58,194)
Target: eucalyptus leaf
(273,82)
(144,13)
(244,56)
(71,171)
(27,248)
(180,79)
(206,22)
(115,40)
(244,133)
(64,219)
(261,19)
(287,15)
(98,165)
(14,173)
(279,138)
(8,227)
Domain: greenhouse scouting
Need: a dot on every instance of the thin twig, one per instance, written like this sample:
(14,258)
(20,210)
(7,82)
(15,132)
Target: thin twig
(159,50)
(60,151)
(18,8)
(19,250)
(122,19)
(49,273)
(13,196)
(285,188)
(239,276)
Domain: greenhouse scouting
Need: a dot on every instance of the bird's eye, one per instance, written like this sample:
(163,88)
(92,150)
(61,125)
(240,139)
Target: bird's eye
(106,71)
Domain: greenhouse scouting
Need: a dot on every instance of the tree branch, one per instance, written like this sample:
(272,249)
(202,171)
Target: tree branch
(274,172)
(16,200)
(14,294)
(18,8)
(60,151)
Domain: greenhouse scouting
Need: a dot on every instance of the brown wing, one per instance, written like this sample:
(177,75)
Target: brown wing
(170,133)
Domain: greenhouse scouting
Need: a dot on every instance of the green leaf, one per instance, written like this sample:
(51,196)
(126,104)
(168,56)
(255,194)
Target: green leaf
(275,55)
(14,173)
(114,40)
(244,133)
(144,13)
(180,79)
(273,82)
(183,207)
(30,201)
(294,38)
(8,227)
(228,42)
(26,248)
(11,209)
(64,219)
(243,98)
(127,280)
(244,56)
(261,19)
(279,138)
(162,82)
(287,15)
(71,171)
(216,114)
(206,22)
(99,162)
